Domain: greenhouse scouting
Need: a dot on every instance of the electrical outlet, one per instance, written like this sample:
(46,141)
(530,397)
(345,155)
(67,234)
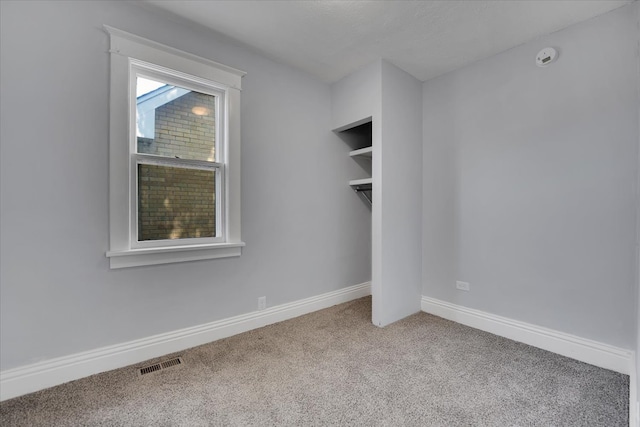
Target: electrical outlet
(463,286)
(262,303)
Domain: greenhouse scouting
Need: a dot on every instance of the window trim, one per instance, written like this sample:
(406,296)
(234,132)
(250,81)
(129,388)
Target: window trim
(128,51)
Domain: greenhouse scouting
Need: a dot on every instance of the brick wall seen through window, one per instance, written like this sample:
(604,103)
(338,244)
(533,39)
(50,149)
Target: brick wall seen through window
(174,202)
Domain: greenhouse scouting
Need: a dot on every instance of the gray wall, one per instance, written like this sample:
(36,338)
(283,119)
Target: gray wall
(530,179)
(356,96)
(58,297)
(637,403)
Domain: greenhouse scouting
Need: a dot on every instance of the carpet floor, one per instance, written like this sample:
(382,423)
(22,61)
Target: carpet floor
(333,367)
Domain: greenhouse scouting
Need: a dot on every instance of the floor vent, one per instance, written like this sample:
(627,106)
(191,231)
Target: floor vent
(172,362)
(160,366)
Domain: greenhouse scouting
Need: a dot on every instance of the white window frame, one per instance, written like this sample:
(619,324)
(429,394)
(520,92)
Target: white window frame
(154,72)
(132,56)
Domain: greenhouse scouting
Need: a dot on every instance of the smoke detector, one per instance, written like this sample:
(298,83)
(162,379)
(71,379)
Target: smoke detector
(546,56)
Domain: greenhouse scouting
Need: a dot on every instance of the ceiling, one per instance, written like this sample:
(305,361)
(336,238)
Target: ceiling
(331,39)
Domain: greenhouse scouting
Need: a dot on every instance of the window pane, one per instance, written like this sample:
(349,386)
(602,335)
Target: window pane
(174,122)
(175,203)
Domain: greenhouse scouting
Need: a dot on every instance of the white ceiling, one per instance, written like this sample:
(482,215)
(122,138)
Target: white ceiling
(331,39)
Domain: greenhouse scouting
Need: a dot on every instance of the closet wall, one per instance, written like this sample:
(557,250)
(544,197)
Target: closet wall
(392,100)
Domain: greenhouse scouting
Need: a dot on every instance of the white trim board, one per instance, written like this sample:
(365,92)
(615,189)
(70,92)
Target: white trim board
(634,405)
(588,351)
(27,379)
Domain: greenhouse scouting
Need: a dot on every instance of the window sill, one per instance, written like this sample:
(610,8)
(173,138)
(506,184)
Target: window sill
(170,254)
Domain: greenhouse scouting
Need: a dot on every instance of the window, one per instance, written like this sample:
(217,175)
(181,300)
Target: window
(178,163)
(174,155)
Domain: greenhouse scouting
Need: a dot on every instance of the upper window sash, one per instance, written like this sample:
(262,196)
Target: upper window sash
(193,83)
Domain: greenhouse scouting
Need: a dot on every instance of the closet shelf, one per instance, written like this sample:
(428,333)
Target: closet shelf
(358,135)
(363,152)
(364,181)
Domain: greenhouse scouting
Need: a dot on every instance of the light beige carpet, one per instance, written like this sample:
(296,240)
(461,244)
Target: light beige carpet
(333,367)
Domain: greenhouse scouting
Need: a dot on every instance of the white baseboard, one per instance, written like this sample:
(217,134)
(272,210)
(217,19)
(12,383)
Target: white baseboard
(27,379)
(584,350)
(634,405)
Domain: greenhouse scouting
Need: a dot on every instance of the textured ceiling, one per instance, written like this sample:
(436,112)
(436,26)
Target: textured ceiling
(331,39)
